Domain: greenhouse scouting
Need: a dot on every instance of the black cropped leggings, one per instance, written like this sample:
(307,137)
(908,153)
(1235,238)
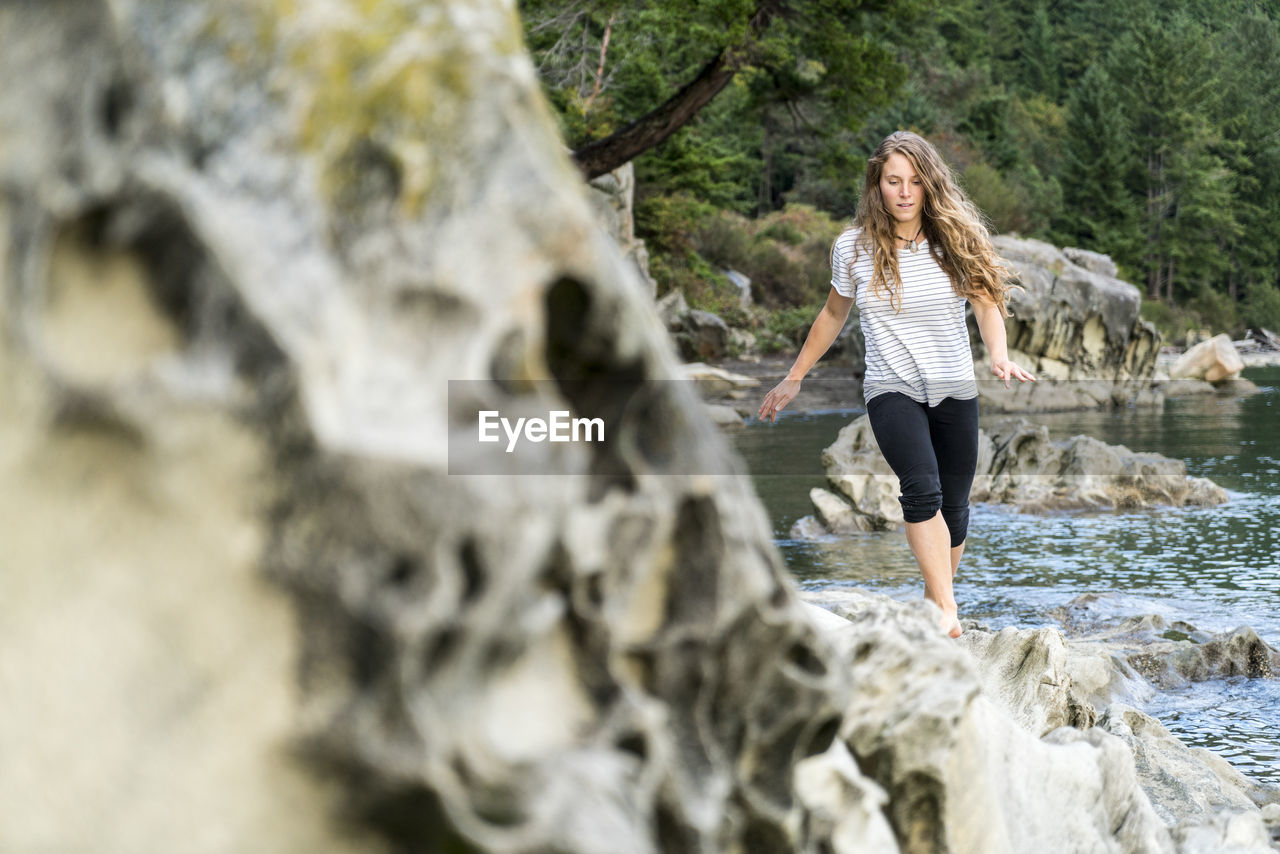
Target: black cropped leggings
(934,451)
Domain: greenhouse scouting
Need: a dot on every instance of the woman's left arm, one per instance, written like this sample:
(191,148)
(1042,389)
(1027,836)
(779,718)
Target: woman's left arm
(991,327)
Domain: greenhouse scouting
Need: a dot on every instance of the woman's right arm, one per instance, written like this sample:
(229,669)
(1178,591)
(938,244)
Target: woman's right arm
(821,335)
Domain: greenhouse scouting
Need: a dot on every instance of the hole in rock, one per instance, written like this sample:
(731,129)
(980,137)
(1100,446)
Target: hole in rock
(803,657)
(131,282)
(404,570)
(508,368)
(635,744)
(693,584)
(117,101)
(822,737)
(581,342)
(441,648)
(370,654)
(473,574)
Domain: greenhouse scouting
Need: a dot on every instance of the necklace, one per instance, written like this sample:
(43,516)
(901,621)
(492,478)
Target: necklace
(911,242)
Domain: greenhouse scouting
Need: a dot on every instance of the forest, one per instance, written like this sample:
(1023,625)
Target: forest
(1149,131)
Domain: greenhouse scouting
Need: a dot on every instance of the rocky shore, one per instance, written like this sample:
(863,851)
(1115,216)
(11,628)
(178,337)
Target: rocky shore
(1042,695)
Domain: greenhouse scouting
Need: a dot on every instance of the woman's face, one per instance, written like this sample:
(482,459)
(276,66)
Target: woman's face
(902,190)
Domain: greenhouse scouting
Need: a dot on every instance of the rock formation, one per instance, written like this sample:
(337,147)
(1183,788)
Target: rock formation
(613,198)
(261,266)
(1018,466)
(1213,361)
(1038,683)
(1076,327)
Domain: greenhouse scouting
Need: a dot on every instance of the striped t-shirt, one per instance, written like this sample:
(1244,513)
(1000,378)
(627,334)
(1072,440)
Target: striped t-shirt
(922,350)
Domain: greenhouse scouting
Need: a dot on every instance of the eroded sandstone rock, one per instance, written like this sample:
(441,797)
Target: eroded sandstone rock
(1047,686)
(924,726)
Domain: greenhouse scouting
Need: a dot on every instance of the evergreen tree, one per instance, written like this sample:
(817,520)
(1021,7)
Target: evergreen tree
(1040,65)
(1250,63)
(1165,72)
(1100,210)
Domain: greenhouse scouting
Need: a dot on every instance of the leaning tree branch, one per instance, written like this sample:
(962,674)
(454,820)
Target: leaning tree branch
(604,155)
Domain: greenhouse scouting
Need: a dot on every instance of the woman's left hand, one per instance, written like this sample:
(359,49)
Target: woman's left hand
(1007,370)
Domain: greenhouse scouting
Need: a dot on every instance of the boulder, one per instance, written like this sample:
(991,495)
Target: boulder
(1026,672)
(672,309)
(703,335)
(1032,678)
(742,282)
(1265,338)
(1188,787)
(1167,654)
(1076,327)
(698,334)
(1094,262)
(1213,361)
(724,416)
(836,516)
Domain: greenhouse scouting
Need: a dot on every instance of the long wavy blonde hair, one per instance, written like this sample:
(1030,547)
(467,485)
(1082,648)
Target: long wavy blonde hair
(956,230)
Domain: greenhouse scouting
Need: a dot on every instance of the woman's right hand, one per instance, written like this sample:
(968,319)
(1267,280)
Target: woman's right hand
(777,398)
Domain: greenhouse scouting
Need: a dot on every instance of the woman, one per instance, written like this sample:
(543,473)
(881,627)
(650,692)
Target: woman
(917,251)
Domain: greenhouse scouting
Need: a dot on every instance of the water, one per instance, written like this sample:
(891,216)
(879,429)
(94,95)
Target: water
(1217,568)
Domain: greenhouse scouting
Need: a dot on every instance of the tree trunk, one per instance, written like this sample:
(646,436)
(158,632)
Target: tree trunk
(604,50)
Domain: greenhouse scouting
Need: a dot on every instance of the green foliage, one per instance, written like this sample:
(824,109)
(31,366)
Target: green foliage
(997,197)
(1101,209)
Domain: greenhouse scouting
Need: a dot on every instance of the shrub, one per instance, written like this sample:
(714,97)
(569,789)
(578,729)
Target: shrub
(726,239)
(1171,322)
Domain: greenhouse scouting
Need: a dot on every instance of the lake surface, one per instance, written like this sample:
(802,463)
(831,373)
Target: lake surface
(1217,568)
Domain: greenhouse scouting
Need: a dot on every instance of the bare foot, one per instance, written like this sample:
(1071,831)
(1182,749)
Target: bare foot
(950,624)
